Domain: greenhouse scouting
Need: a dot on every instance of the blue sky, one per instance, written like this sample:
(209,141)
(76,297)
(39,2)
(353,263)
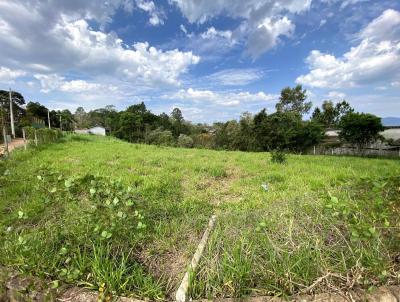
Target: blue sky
(214,59)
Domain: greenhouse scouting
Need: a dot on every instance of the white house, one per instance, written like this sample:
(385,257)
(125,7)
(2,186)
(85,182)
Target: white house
(98,130)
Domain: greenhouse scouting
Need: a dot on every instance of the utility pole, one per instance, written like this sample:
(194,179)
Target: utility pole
(4,130)
(11,115)
(48,118)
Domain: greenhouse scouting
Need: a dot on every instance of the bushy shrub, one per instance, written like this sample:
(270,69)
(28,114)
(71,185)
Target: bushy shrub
(185,141)
(44,135)
(204,140)
(278,156)
(160,137)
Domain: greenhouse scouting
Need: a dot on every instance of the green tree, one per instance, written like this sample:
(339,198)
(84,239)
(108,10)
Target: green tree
(360,129)
(308,134)
(178,123)
(277,130)
(67,120)
(164,121)
(293,100)
(81,118)
(342,108)
(331,114)
(18,110)
(285,131)
(245,139)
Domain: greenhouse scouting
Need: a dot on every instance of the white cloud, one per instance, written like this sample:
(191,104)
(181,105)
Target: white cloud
(263,22)
(385,27)
(220,98)
(267,35)
(98,50)
(71,45)
(376,59)
(8,75)
(203,10)
(235,77)
(49,82)
(54,82)
(79,86)
(212,33)
(157,16)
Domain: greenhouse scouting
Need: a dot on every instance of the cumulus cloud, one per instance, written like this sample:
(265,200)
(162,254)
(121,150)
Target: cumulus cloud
(375,59)
(220,98)
(71,45)
(263,22)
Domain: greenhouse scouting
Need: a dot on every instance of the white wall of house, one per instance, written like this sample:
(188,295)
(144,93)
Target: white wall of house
(97,131)
(393,133)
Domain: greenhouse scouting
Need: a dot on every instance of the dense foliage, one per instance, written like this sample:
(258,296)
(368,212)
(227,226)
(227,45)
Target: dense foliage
(284,129)
(360,129)
(43,135)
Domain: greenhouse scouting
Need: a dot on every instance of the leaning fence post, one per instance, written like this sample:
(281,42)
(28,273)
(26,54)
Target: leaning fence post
(36,141)
(24,137)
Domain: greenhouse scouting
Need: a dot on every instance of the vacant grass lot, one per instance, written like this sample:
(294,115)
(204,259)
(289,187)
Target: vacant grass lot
(127,218)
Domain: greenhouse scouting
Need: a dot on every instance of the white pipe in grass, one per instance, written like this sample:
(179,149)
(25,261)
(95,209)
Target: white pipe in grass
(181,293)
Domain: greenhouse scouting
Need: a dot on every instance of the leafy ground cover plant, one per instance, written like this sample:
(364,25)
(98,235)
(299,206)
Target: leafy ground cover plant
(80,229)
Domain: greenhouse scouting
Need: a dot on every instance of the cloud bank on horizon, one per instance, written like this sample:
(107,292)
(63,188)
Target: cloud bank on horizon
(213,59)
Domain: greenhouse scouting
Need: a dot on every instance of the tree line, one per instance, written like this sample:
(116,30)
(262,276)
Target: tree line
(284,129)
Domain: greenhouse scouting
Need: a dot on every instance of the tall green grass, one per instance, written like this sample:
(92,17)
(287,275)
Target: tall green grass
(333,219)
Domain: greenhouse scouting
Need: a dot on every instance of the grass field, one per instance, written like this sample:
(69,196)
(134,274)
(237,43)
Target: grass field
(103,213)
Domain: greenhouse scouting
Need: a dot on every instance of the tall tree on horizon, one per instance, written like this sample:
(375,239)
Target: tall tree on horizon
(293,100)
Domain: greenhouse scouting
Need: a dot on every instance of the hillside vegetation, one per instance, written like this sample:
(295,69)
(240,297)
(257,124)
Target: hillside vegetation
(126,218)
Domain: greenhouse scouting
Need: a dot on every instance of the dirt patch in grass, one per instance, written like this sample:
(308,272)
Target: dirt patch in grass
(170,263)
(169,267)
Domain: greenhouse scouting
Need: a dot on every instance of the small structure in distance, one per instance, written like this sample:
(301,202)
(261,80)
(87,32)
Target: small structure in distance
(97,130)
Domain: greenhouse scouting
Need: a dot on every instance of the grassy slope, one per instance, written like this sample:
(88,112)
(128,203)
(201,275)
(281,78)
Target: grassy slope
(321,215)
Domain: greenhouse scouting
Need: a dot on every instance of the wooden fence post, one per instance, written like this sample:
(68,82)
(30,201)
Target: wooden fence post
(314,149)
(36,140)
(24,137)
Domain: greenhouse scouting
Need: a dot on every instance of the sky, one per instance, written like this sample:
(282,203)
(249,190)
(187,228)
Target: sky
(214,59)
